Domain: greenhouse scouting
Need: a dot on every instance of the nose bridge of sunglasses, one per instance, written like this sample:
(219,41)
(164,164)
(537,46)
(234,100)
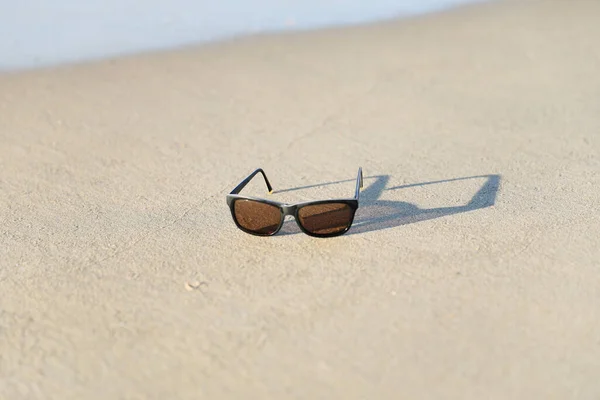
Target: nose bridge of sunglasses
(288,209)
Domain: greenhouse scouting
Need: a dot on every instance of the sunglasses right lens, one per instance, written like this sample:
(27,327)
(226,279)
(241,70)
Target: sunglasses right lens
(326,219)
(256,217)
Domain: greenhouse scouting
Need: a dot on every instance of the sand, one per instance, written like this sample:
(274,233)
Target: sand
(472,270)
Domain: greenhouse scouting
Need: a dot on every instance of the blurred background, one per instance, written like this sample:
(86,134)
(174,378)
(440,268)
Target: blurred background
(37,33)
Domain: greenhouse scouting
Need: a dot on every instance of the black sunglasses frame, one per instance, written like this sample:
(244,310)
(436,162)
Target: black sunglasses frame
(291,209)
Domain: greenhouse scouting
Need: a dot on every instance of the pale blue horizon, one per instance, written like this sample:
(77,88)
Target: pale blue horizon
(36,33)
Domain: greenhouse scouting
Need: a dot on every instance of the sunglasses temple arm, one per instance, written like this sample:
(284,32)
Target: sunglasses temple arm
(243,183)
(359,184)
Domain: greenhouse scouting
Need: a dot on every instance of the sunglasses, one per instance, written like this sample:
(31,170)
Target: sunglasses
(322,218)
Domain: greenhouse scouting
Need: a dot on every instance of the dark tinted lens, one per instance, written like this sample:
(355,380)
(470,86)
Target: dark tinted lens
(327,218)
(257,217)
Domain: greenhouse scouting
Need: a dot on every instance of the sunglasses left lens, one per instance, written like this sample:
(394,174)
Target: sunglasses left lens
(256,217)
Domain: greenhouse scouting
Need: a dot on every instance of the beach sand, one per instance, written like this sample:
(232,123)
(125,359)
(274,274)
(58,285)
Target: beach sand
(472,270)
